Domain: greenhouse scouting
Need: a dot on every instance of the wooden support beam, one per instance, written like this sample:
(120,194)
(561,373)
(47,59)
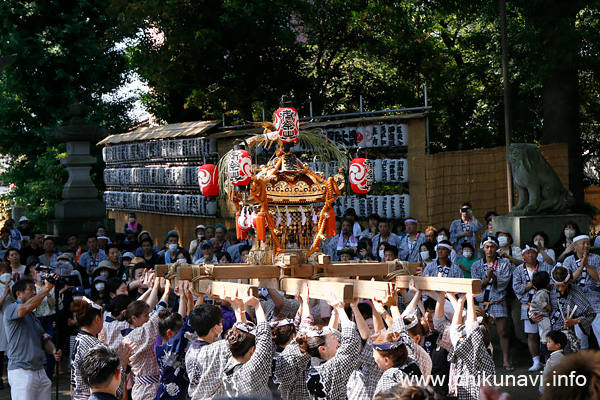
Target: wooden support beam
(266,283)
(161,269)
(367,268)
(362,289)
(454,285)
(232,271)
(319,290)
(224,289)
(291,259)
(323,259)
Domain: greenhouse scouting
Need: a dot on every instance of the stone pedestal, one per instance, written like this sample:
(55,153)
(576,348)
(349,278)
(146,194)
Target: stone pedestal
(80,212)
(523,227)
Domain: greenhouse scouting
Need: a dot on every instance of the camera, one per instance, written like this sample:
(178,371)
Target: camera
(45,274)
(464,209)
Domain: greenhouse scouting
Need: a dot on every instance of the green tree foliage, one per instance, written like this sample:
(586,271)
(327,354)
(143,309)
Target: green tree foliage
(216,56)
(66,54)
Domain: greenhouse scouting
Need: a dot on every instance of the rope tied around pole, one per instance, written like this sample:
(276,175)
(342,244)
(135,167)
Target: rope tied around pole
(171,272)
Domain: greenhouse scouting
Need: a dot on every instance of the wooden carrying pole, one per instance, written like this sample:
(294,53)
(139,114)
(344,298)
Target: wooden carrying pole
(245,271)
(450,285)
(224,289)
(319,290)
(362,289)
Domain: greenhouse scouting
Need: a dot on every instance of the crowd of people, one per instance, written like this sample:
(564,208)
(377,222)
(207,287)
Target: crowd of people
(127,333)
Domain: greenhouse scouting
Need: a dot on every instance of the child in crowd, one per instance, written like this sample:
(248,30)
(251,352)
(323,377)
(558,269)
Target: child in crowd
(540,302)
(170,354)
(143,332)
(467,259)
(556,343)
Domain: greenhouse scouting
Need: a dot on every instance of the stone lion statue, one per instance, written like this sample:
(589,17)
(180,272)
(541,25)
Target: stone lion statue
(539,187)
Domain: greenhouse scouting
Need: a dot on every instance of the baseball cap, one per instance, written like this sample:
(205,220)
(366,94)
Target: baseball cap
(78,289)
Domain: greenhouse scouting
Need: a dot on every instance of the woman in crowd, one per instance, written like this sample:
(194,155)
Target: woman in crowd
(427,254)
(564,246)
(585,267)
(540,240)
(393,350)
(115,321)
(507,250)
(248,371)
(329,379)
(89,319)
(143,333)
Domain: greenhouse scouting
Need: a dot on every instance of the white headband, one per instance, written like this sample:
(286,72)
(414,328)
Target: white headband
(490,240)
(413,323)
(568,274)
(580,237)
(91,303)
(317,333)
(528,248)
(281,322)
(443,245)
(244,328)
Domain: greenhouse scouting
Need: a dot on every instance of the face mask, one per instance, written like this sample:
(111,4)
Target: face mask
(502,241)
(467,254)
(132,220)
(381,254)
(200,237)
(99,286)
(173,247)
(539,243)
(104,274)
(569,234)
(441,237)
(5,278)
(425,255)
(77,297)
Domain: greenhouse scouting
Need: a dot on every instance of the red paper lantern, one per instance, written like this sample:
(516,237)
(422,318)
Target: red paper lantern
(243,220)
(287,123)
(208,179)
(240,167)
(361,175)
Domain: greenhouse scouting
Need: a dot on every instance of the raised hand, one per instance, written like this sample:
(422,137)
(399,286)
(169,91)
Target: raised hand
(334,302)
(125,351)
(249,299)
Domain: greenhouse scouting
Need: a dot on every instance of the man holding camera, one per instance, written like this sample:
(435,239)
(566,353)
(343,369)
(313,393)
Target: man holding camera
(27,342)
(464,229)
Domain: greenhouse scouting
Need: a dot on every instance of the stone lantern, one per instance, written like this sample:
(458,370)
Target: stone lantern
(81,211)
